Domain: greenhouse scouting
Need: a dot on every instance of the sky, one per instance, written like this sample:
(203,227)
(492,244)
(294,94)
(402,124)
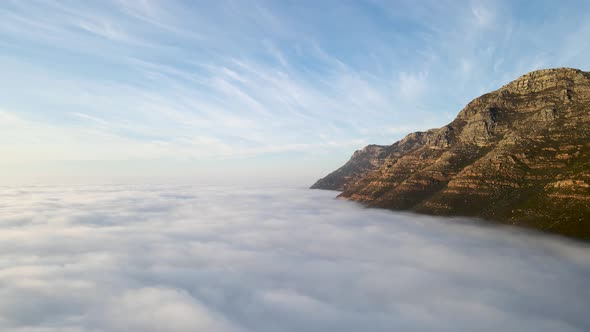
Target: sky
(175,258)
(223,90)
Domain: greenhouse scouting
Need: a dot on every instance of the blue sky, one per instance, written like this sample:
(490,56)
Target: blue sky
(217,89)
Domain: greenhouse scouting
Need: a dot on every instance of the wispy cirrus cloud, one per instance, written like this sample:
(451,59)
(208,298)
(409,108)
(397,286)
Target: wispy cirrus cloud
(257,77)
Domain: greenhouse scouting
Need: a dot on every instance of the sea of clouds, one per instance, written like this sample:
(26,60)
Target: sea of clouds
(191,258)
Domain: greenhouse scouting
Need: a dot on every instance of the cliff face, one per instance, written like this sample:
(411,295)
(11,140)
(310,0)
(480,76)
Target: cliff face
(519,155)
(360,164)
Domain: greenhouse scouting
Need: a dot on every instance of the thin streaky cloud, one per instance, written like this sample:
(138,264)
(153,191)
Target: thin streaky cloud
(259,76)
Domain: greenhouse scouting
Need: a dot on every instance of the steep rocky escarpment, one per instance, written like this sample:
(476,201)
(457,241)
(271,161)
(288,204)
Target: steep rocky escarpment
(518,155)
(360,164)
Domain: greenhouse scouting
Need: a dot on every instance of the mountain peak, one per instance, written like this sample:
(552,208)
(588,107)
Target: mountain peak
(519,155)
(541,79)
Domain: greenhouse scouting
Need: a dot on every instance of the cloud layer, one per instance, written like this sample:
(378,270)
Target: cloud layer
(189,258)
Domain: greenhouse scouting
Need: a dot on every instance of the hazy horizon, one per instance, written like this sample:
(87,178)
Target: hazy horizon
(156,159)
(115,89)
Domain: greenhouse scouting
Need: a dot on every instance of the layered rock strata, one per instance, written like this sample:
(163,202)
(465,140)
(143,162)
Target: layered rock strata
(518,155)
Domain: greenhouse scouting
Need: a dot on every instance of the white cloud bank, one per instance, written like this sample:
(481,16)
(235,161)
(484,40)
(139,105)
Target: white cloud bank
(182,258)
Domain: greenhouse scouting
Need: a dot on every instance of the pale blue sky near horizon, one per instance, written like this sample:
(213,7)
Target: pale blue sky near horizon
(219,90)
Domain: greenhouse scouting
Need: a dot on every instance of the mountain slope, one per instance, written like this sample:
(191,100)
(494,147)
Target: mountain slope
(519,155)
(360,164)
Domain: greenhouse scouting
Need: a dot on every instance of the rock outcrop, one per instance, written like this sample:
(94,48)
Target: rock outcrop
(518,155)
(360,164)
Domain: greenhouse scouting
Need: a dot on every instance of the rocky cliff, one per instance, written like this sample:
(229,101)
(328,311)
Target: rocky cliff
(518,155)
(360,164)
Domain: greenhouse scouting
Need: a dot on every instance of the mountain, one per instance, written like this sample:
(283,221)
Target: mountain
(362,162)
(519,155)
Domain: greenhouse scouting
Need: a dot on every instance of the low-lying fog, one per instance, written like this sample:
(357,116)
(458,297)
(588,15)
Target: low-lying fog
(181,258)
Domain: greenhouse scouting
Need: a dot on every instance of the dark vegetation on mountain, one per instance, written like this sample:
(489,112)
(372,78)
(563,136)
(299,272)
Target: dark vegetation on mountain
(519,155)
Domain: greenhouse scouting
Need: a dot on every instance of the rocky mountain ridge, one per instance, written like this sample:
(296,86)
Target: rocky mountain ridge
(518,155)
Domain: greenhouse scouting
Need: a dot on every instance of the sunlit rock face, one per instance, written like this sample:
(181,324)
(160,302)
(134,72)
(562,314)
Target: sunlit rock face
(181,258)
(360,164)
(519,155)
